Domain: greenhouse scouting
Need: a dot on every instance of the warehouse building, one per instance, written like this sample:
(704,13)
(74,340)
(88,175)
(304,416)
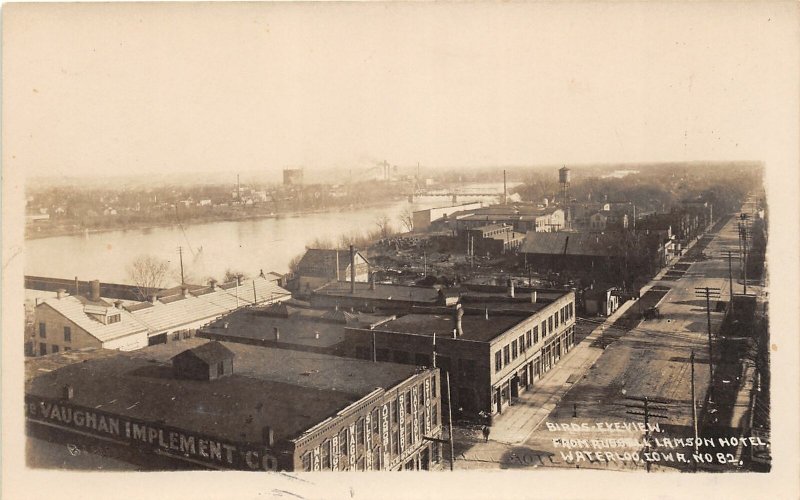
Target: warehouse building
(233,406)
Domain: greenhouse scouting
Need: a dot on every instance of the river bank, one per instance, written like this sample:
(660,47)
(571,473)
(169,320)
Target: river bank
(72,229)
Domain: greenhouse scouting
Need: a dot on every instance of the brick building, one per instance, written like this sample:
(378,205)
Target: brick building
(274,410)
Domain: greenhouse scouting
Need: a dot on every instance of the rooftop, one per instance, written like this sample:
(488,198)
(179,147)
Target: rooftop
(381,291)
(475,326)
(563,243)
(322,262)
(287,390)
(75,309)
(300,326)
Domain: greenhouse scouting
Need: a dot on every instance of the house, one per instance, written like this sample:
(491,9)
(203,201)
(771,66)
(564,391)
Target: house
(271,410)
(320,266)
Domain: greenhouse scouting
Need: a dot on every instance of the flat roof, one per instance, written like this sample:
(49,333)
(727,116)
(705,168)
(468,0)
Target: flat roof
(475,326)
(286,390)
(300,327)
(381,291)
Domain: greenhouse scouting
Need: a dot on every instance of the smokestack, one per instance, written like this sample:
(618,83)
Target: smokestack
(505,190)
(533,296)
(352,270)
(511,288)
(95,290)
(277,334)
(337,265)
(459,331)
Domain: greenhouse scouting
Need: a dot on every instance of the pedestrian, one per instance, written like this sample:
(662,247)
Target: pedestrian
(485,433)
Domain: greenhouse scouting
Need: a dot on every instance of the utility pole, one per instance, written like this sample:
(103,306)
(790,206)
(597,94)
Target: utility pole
(424,263)
(708,293)
(694,407)
(730,275)
(180,254)
(255,296)
(450,422)
(646,411)
(433,356)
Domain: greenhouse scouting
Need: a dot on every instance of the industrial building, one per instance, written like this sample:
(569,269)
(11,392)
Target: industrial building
(209,405)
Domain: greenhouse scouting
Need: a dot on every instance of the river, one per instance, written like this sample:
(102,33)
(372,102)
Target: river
(209,249)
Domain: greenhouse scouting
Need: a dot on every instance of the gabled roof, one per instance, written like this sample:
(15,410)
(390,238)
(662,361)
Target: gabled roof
(322,262)
(74,309)
(210,353)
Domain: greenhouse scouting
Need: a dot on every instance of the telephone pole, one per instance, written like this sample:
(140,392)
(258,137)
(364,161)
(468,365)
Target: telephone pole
(694,407)
(708,293)
(450,422)
(180,254)
(730,274)
(646,411)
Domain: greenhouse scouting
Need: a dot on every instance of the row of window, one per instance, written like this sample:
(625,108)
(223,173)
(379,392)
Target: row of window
(343,451)
(517,347)
(43,332)
(53,349)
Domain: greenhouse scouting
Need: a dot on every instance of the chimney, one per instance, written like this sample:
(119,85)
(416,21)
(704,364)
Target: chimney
(352,270)
(277,334)
(184,290)
(61,293)
(68,392)
(459,314)
(95,290)
(511,288)
(533,296)
(118,304)
(77,286)
(267,436)
(213,284)
(153,299)
(239,280)
(372,281)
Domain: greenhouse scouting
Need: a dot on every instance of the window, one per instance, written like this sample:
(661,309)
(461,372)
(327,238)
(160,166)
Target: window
(396,442)
(555,319)
(394,412)
(498,361)
(535,334)
(187,334)
(360,432)
(343,449)
(325,455)
(544,328)
(506,355)
(529,337)
(55,349)
(307,461)
(433,387)
(514,349)
(409,433)
(42,330)
(522,342)
(550,324)
(67,334)
(114,318)
(42,349)
(408,403)
(176,336)
(220,368)
(434,416)
(421,394)
(376,415)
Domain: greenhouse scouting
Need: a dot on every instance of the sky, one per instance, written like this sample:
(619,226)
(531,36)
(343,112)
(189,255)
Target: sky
(98,89)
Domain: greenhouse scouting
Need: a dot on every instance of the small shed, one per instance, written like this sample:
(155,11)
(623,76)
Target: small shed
(209,361)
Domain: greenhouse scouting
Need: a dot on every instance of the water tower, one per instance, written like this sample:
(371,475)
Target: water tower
(563,180)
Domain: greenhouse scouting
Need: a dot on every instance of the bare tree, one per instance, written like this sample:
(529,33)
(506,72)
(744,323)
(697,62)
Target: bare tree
(382,221)
(407,219)
(294,264)
(148,274)
(232,275)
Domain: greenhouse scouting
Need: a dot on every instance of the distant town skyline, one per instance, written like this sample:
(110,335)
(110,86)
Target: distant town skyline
(184,88)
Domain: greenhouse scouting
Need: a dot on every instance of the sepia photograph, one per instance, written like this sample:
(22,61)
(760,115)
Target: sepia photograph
(511,249)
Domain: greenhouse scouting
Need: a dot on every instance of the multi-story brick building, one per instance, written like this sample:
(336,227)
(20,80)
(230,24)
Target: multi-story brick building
(234,406)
